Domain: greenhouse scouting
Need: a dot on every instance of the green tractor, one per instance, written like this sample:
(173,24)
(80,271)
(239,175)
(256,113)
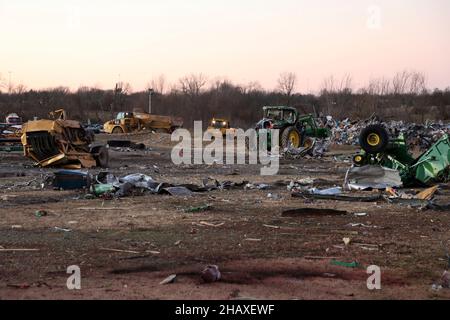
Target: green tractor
(295,130)
(379,148)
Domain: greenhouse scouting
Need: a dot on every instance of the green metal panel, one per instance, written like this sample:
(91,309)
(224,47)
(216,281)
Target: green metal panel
(434,164)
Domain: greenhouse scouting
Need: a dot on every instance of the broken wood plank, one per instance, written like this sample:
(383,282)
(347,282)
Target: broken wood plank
(427,194)
(204,223)
(118,250)
(271,227)
(12,250)
(169,279)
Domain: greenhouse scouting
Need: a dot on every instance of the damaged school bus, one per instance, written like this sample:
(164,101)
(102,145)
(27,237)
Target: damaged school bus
(59,142)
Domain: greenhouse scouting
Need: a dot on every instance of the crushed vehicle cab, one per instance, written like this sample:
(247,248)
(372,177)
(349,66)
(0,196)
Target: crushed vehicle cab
(129,122)
(222,125)
(295,129)
(379,148)
(10,133)
(13,119)
(58,142)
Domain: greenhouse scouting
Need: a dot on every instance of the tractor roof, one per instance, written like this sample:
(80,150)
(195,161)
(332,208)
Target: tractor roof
(280,108)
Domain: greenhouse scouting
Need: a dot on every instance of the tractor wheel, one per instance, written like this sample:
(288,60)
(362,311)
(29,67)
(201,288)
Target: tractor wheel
(102,158)
(290,137)
(358,160)
(374,139)
(117,130)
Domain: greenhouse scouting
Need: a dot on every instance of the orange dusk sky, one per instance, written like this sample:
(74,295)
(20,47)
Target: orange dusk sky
(48,43)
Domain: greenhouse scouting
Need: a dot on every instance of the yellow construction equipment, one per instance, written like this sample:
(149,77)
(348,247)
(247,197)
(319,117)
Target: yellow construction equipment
(62,143)
(128,122)
(222,125)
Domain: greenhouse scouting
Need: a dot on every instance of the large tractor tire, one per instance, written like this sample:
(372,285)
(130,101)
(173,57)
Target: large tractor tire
(117,130)
(102,157)
(291,137)
(374,139)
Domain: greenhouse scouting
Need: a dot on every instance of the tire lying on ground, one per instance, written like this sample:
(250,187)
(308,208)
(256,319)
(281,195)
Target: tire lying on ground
(102,157)
(374,139)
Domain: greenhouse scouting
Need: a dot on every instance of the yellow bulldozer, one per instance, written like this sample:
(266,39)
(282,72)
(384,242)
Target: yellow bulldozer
(58,142)
(223,125)
(129,122)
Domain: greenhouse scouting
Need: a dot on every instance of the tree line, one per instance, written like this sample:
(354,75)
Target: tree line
(405,96)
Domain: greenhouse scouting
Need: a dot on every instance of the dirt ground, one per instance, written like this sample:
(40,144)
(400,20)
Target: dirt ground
(126,247)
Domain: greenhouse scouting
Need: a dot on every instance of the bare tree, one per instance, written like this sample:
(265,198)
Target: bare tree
(20,89)
(3,83)
(253,86)
(218,82)
(126,88)
(378,86)
(400,82)
(121,90)
(286,84)
(346,84)
(385,86)
(409,82)
(336,93)
(328,85)
(417,83)
(7,84)
(193,84)
(158,84)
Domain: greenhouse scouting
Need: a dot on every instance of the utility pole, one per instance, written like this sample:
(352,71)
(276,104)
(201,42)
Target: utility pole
(9,84)
(150,93)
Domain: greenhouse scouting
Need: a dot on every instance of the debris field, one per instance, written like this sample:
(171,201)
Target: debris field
(269,238)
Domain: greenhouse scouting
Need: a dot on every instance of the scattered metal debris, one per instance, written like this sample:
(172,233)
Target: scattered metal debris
(71,180)
(326,192)
(178,191)
(372,177)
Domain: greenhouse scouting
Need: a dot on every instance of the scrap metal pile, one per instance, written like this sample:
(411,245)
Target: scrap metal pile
(10,133)
(346,132)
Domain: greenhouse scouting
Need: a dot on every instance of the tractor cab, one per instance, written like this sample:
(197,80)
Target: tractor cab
(124,115)
(281,116)
(295,130)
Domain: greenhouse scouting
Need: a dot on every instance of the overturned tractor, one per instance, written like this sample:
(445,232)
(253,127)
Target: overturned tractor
(59,142)
(379,148)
